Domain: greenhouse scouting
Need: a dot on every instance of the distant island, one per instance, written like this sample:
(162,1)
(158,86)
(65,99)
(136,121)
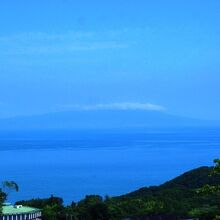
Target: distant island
(101,119)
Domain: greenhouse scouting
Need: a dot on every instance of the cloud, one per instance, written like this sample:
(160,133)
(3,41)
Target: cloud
(116,106)
(35,43)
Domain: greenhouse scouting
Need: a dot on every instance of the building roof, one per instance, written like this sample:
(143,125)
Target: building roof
(13,210)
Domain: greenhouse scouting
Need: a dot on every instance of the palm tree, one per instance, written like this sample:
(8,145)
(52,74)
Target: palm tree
(9,186)
(6,188)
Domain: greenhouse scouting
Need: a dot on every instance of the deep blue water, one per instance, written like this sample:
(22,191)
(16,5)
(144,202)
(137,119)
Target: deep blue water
(75,163)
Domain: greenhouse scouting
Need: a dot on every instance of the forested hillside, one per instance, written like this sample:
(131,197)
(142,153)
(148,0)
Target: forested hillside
(178,198)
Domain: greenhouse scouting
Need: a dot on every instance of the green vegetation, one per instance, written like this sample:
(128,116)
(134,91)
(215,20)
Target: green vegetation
(182,197)
(2,199)
(7,187)
(209,189)
(52,207)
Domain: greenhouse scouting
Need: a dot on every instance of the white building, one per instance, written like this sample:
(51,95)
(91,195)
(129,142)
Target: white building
(19,212)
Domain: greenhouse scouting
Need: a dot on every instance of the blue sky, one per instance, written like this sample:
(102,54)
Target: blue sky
(59,54)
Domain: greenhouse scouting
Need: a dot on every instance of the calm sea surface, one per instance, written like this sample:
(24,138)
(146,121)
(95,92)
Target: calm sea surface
(76,163)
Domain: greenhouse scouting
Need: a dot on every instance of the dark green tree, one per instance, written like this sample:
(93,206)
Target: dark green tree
(210,212)
(7,187)
(209,188)
(2,199)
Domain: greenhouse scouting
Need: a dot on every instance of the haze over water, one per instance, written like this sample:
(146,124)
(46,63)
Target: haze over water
(76,163)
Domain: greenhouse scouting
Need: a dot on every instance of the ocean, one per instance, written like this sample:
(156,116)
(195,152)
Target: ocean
(72,164)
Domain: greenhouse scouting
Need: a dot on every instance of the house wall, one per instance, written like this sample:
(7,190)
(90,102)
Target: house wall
(30,216)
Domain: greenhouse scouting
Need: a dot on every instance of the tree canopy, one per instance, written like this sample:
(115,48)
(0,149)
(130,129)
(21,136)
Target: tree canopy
(6,188)
(178,198)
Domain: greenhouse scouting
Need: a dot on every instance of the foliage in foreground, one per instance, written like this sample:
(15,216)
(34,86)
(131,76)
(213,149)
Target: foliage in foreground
(178,197)
(7,187)
(2,199)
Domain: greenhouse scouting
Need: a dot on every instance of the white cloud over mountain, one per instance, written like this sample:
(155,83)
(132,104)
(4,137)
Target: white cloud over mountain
(115,106)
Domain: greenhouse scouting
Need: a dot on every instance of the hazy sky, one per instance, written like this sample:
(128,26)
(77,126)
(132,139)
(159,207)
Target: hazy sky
(61,53)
